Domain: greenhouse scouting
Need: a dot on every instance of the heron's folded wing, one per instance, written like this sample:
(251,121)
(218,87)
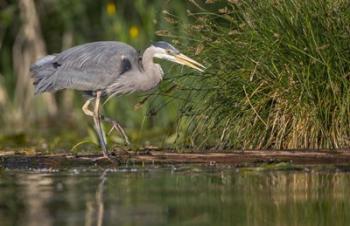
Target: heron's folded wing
(93,66)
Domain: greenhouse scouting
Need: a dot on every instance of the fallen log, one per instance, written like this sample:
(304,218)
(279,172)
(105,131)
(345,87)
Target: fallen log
(234,158)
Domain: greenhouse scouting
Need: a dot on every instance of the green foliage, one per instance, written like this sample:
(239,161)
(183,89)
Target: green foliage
(66,23)
(277,77)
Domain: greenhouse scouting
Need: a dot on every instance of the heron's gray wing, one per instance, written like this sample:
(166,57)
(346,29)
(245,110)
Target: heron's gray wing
(88,67)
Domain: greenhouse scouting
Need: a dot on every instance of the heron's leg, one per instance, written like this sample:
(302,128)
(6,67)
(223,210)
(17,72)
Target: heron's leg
(116,126)
(97,121)
(86,109)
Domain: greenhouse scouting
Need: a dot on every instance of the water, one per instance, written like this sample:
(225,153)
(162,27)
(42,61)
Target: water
(173,196)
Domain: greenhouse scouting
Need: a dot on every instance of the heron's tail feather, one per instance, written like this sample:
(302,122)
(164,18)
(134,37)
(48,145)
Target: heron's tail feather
(43,73)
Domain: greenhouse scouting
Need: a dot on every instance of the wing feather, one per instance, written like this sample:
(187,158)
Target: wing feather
(89,67)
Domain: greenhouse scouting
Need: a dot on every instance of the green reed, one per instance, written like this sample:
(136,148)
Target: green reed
(278,75)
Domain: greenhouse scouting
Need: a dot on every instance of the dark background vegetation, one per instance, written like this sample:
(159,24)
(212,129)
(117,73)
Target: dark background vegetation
(277,77)
(30,29)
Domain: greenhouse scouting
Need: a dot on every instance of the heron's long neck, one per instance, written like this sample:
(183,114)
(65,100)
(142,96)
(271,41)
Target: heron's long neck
(153,73)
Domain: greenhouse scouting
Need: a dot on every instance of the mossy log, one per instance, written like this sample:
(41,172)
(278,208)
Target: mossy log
(235,158)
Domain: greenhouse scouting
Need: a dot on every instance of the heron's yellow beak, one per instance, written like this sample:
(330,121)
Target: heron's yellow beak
(185,60)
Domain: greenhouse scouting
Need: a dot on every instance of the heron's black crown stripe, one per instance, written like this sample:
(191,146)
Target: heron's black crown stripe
(165,45)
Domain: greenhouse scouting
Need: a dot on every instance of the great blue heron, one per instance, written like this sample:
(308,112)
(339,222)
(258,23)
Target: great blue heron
(105,69)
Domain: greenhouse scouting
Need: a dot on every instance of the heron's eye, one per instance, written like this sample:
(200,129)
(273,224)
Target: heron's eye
(168,51)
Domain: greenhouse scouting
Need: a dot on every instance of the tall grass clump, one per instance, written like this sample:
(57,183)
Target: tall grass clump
(278,75)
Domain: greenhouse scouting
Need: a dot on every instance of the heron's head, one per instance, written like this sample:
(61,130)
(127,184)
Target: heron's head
(164,50)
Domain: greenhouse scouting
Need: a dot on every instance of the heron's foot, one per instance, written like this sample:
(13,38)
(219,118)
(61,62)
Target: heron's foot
(116,126)
(105,157)
(94,159)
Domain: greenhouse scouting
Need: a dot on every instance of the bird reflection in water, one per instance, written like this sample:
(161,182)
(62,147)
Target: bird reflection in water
(95,208)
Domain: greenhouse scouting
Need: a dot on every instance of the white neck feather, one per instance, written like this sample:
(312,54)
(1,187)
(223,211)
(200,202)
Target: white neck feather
(153,73)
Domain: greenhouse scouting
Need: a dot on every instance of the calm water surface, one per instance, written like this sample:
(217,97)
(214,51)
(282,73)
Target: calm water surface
(173,196)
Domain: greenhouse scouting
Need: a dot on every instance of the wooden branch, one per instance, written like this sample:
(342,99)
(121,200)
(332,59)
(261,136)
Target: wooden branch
(237,158)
